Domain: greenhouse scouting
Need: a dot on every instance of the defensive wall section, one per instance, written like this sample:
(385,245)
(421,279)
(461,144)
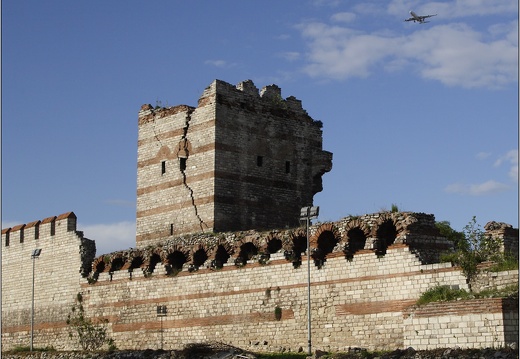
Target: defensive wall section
(249,288)
(57,273)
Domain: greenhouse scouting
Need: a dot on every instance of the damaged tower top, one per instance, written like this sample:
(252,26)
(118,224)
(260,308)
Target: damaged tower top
(242,159)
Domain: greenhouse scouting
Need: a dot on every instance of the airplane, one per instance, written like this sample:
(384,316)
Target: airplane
(418,18)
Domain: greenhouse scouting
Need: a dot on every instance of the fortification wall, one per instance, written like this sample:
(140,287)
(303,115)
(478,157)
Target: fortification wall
(63,264)
(360,296)
(477,323)
(357,303)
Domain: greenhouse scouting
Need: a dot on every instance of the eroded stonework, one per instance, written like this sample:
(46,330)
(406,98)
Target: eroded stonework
(242,159)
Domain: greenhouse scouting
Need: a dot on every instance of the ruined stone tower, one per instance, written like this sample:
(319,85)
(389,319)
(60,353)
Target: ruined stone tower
(242,159)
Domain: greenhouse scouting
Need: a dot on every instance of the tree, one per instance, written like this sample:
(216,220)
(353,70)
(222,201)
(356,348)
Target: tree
(472,247)
(446,231)
(90,336)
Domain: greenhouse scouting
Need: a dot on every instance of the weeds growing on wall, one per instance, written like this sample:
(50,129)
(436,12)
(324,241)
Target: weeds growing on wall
(444,293)
(89,336)
(473,247)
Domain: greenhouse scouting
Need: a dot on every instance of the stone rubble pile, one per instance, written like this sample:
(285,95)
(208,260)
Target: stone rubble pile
(226,352)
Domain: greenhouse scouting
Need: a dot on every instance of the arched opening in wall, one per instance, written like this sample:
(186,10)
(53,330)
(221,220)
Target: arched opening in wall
(175,260)
(386,235)
(325,245)
(247,251)
(274,245)
(154,259)
(356,240)
(200,256)
(221,258)
(99,267)
(137,262)
(117,264)
(299,246)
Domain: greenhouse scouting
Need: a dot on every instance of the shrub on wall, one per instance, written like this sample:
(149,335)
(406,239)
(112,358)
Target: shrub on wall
(473,248)
(88,335)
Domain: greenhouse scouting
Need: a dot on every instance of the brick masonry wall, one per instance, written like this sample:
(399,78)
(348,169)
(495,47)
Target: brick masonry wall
(478,323)
(364,302)
(242,159)
(57,278)
(356,303)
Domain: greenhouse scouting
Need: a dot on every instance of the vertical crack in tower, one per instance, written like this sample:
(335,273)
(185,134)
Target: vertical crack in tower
(183,157)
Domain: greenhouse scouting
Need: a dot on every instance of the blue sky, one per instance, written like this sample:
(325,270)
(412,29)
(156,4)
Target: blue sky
(421,116)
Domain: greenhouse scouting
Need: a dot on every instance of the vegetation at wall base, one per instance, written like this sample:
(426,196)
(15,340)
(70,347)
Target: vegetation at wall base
(90,336)
(197,352)
(26,348)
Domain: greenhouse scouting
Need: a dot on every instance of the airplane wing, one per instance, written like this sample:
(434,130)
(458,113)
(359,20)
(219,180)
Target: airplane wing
(427,16)
(410,19)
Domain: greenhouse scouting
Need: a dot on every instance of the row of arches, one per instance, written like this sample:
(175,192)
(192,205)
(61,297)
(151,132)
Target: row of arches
(327,238)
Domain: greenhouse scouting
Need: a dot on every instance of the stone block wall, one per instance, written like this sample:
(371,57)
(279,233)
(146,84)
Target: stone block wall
(362,293)
(242,159)
(357,303)
(61,267)
(477,323)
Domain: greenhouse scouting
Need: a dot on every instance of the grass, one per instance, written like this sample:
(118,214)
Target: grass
(508,262)
(443,293)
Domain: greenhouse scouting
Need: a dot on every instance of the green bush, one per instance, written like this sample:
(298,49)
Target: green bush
(90,336)
(472,247)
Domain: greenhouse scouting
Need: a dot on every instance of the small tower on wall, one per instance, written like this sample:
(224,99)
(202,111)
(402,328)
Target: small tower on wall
(242,159)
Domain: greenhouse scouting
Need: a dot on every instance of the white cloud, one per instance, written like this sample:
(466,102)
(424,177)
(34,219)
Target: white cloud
(290,55)
(216,63)
(345,17)
(511,158)
(454,9)
(456,55)
(110,237)
(329,3)
(340,53)
(489,187)
(453,54)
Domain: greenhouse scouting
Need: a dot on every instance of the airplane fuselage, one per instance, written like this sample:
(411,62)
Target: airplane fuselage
(418,18)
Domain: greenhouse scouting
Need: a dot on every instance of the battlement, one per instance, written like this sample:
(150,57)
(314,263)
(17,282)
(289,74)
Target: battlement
(247,96)
(47,227)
